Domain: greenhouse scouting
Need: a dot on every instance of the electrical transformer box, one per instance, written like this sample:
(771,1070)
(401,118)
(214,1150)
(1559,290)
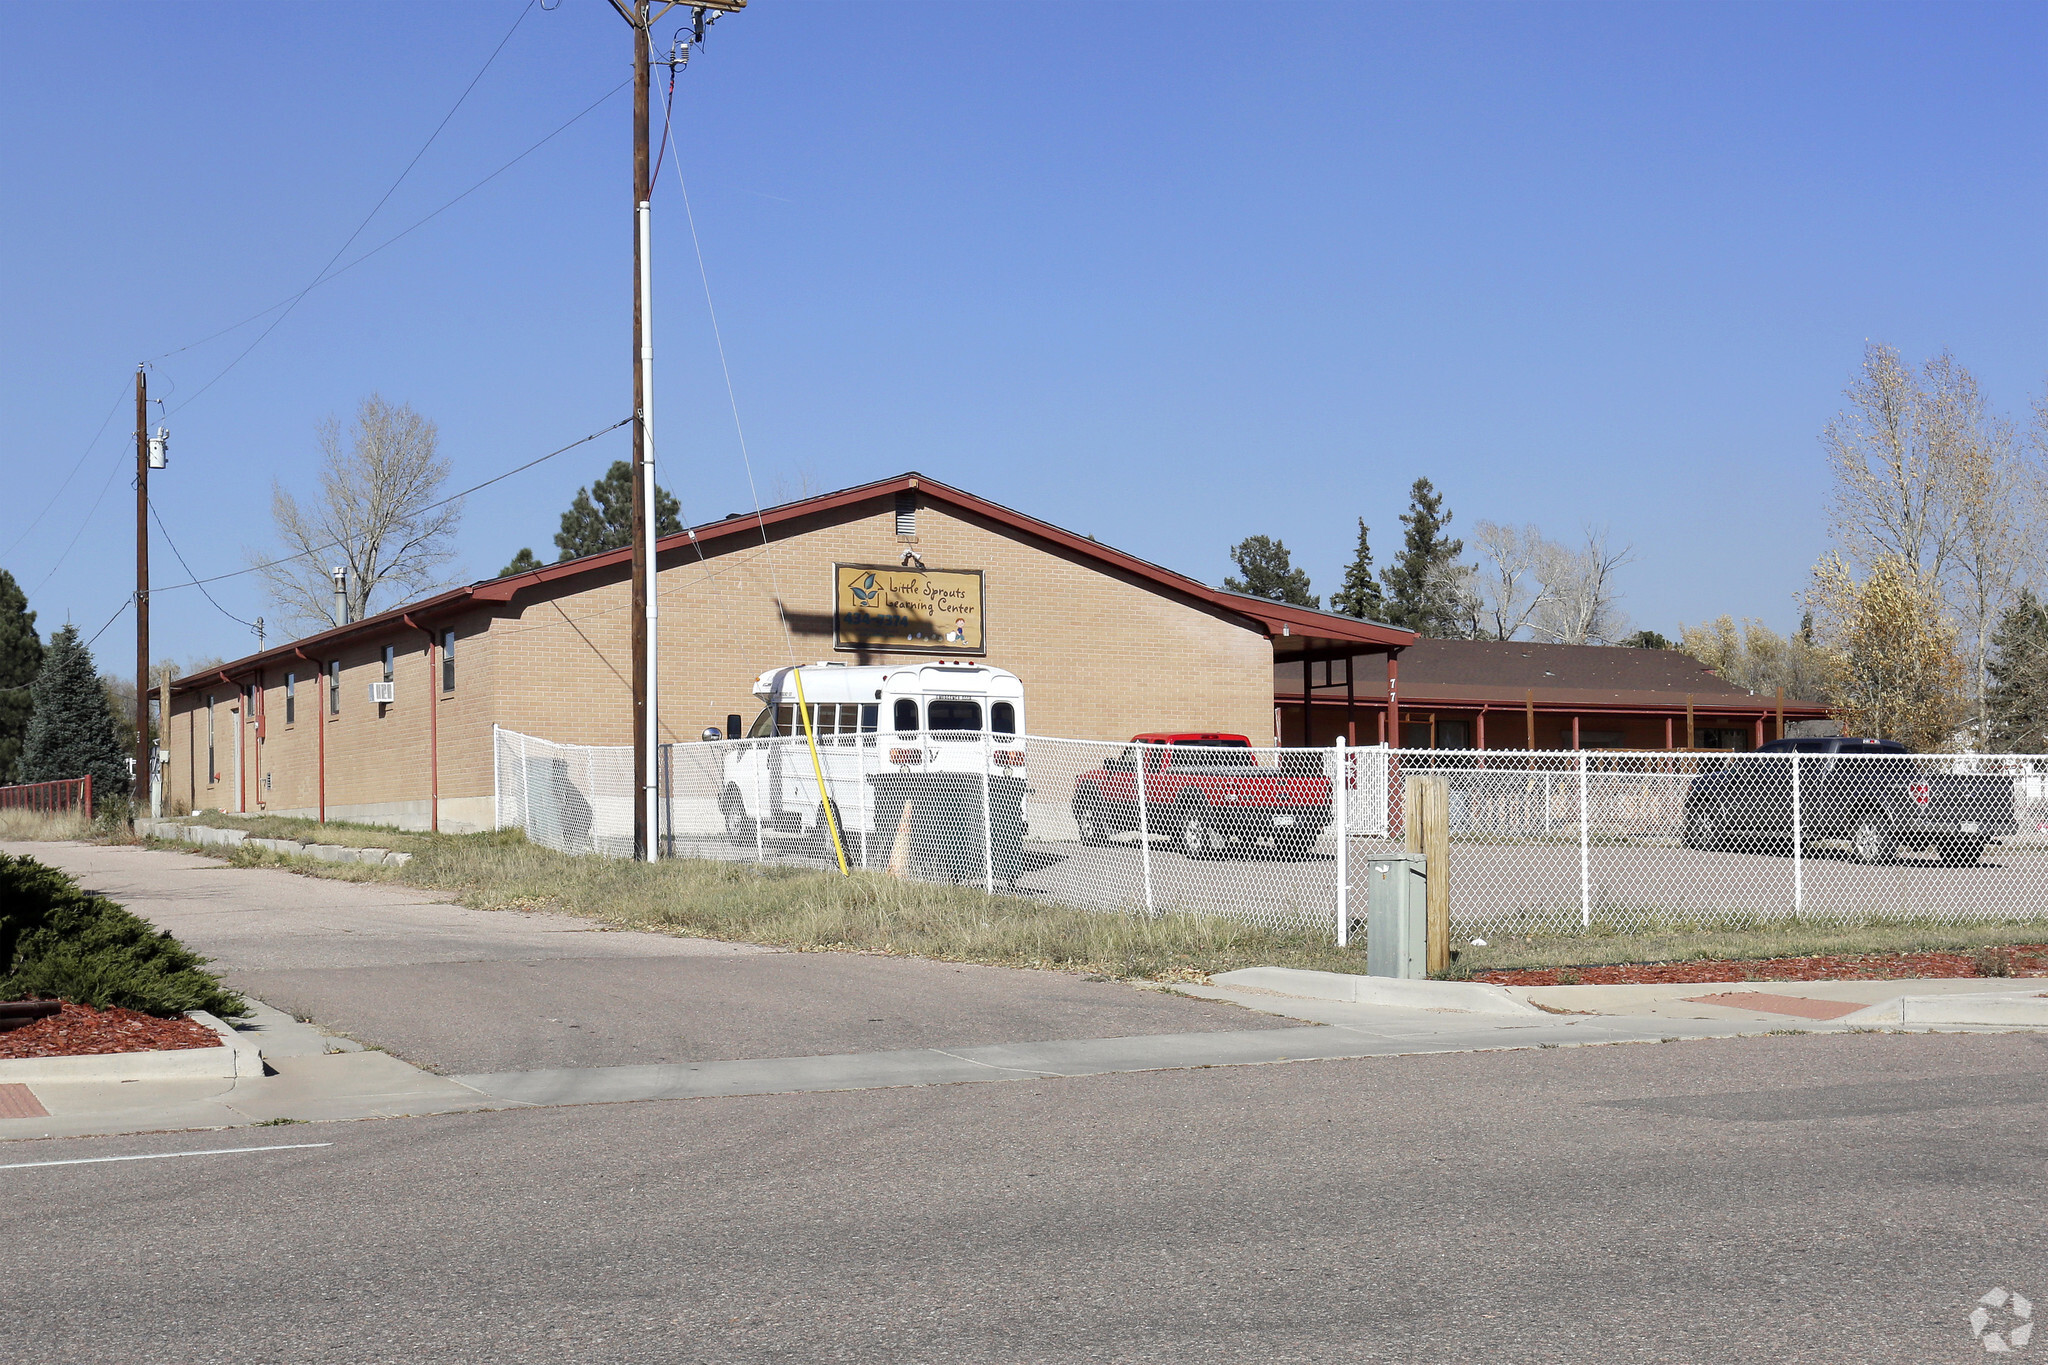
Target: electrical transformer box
(1397,916)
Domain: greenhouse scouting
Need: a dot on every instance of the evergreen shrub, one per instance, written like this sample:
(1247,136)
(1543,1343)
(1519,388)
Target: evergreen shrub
(61,942)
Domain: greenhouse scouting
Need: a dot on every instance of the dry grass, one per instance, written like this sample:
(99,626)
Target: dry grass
(824,912)
(871,912)
(33,826)
(1744,940)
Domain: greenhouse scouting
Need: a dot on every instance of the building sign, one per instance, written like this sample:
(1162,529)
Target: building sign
(923,611)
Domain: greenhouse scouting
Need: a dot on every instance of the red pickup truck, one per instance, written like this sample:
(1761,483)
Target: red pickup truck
(1207,792)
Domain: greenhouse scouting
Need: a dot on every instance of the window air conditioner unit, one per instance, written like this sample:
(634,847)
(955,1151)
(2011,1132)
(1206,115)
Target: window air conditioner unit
(383,693)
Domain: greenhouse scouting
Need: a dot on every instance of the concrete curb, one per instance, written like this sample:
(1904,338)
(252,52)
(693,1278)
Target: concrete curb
(1990,1009)
(248,1059)
(177,1064)
(1472,997)
(208,835)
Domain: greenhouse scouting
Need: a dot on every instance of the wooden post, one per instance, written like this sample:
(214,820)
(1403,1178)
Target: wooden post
(1529,715)
(1691,736)
(1668,740)
(1781,713)
(1429,833)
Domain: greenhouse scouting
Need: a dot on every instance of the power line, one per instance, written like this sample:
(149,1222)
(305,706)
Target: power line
(157,517)
(396,237)
(119,394)
(731,398)
(294,300)
(69,546)
(200,583)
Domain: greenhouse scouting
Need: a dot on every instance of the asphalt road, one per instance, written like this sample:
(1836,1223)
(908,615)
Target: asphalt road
(1769,1200)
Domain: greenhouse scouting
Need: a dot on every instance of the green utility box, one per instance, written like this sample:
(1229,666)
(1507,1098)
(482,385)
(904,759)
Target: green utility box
(1397,916)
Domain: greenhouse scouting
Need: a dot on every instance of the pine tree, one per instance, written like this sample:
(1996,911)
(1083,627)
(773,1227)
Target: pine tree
(524,562)
(1269,572)
(1360,596)
(1647,639)
(2017,702)
(21,654)
(601,517)
(72,733)
(1425,585)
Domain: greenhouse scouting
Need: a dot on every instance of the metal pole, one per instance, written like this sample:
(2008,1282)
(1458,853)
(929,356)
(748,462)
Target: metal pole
(141,578)
(988,833)
(1340,812)
(1585,863)
(645,529)
(1798,845)
(643,465)
(1144,828)
(761,801)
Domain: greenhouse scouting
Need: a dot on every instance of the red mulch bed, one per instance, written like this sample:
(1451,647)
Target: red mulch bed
(2029,959)
(81,1031)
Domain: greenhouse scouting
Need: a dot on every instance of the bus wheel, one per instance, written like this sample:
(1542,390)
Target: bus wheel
(738,828)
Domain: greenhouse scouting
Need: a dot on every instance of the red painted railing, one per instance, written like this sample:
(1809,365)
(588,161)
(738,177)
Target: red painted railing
(72,795)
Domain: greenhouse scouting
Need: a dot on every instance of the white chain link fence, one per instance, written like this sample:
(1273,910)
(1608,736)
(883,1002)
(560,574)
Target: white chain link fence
(1540,842)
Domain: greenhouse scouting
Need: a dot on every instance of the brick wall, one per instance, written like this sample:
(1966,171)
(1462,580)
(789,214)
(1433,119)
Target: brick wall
(1102,654)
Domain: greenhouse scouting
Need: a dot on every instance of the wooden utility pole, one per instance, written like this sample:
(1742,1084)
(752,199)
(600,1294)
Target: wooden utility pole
(642,15)
(140,790)
(1429,833)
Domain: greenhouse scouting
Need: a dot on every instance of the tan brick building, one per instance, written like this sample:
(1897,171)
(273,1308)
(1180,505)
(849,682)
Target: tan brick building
(1107,645)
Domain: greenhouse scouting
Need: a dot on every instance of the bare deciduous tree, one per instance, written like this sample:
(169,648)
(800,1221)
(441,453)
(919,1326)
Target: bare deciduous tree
(376,515)
(1509,585)
(1894,487)
(1581,603)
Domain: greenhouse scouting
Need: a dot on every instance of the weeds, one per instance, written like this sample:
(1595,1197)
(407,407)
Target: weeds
(1994,961)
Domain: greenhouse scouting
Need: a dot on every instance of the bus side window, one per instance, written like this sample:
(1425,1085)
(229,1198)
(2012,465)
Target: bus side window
(870,717)
(1002,718)
(906,715)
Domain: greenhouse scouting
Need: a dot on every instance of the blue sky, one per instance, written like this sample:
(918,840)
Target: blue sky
(1165,274)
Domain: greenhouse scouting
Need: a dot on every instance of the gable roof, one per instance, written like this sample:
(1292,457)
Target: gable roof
(1309,631)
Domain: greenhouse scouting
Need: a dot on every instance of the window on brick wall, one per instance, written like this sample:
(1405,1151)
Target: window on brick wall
(212,768)
(291,698)
(447,661)
(334,687)
(390,661)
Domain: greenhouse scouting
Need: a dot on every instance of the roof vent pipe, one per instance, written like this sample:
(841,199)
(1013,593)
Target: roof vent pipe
(340,594)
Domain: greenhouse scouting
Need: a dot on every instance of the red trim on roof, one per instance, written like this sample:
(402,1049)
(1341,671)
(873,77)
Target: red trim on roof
(1276,619)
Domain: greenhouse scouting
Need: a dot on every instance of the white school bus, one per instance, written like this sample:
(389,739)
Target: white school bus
(946,737)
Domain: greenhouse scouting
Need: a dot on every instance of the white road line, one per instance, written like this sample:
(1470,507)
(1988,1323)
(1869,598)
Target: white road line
(164,1156)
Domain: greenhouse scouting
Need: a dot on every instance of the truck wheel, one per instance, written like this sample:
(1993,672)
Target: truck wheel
(1962,852)
(1196,837)
(1871,844)
(1294,843)
(738,828)
(1088,820)
(1708,832)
